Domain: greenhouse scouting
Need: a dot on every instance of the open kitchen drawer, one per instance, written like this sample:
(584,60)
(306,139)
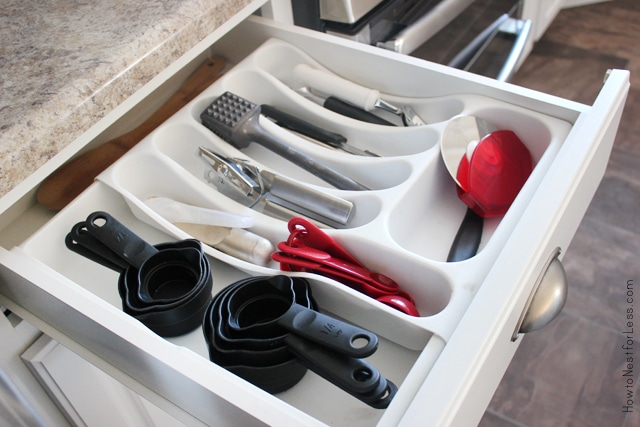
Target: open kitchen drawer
(447,361)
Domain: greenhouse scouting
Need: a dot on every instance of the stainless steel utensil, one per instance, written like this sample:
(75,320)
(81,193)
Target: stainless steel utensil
(311,131)
(235,120)
(459,136)
(273,194)
(336,105)
(358,95)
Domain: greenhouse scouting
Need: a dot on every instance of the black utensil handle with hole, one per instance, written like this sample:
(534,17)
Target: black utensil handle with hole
(81,242)
(355,376)
(330,332)
(117,237)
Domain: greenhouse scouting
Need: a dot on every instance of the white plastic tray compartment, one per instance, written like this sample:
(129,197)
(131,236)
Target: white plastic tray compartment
(161,176)
(402,342)
(412,223)
(410,166)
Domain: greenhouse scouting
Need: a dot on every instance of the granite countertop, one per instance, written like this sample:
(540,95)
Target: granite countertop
(65,64)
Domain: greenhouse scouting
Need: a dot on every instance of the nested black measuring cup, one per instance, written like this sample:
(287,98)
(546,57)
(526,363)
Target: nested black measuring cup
(267,330)
(167,286)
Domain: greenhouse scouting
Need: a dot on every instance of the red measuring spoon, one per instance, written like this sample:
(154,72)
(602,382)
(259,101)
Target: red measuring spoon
(310,249)
(373,284)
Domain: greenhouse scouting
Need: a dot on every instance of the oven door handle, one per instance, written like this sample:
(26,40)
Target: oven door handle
(465,59)
(467,56)
(426,27)
(523,30)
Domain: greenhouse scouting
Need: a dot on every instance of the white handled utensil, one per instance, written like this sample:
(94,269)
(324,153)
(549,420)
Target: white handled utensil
(221,230)
(174,211)
(353,93)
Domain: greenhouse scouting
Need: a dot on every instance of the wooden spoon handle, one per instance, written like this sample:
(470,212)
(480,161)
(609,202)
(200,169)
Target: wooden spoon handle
(68,181)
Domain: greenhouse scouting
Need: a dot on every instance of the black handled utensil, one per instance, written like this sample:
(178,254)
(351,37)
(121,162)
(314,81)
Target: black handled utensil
(316,133)
(236,120)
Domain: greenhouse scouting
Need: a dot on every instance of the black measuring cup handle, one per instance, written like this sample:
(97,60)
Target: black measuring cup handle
(328,331)
(81,242)
(117,237)
(353,375)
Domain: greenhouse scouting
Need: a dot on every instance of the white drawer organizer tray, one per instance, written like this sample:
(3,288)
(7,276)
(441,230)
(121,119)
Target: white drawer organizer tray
(403,227)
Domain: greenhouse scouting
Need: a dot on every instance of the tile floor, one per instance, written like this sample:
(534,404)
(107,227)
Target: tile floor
(570,373)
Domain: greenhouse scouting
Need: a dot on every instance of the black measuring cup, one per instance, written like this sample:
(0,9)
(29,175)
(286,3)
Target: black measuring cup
(167,286)
(270,309)
(272,368)
(267,330)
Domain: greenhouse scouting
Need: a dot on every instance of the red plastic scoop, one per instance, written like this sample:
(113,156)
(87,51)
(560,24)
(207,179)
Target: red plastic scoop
(490,179)
(490,167)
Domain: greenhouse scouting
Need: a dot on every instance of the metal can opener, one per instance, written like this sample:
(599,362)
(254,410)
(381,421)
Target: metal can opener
(273,194)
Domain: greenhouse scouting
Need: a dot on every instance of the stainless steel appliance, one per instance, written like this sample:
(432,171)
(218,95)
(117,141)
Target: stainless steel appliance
(484,36)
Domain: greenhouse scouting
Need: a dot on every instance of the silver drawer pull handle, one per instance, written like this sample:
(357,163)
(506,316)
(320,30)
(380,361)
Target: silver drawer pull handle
(547,298)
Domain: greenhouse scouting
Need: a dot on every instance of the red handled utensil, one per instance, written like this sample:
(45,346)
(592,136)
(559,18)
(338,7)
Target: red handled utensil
(489,166)
(310,249)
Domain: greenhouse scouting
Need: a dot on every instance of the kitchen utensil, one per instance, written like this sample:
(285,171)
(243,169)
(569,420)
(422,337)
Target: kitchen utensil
(353,93)
(221,230)
(167,287)
(270,308)
(468,238)
(236,242)
(264,328)
(236,120)
(489,167)
(491,176)
(304,127)
(458,135)
(174,211)
(273,194)
(343,108)
(72,178)
(310,249)
(80,241)
(291,122)
(272,368)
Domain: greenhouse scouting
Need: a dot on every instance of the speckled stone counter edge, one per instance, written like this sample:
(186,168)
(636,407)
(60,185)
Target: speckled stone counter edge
(33,141)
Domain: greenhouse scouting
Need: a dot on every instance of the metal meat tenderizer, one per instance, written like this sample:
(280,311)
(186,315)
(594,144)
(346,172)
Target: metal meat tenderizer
(235,120)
